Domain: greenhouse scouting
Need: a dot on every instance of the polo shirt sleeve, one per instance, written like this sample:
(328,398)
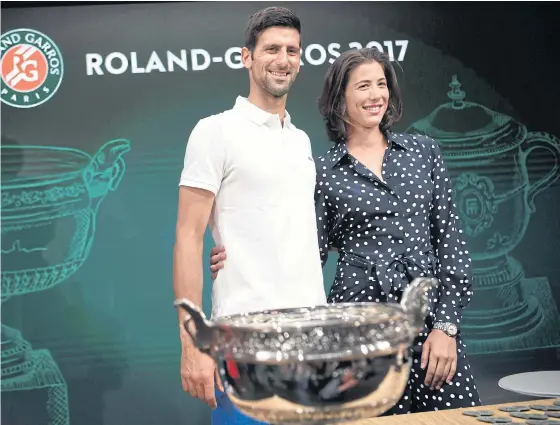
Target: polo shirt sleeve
(205,157)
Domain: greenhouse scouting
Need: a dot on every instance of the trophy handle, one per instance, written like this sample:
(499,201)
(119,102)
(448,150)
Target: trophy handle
(536,140)
(107,168)
(415,301)
(204,334)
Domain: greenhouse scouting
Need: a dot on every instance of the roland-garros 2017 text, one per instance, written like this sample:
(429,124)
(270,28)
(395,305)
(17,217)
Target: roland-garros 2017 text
(117,63)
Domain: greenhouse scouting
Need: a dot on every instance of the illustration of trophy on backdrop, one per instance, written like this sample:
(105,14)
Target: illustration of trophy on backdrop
(487,154)
(319,365)
(50,199)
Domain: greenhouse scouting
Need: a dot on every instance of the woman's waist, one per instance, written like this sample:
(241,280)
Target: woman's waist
(422,258)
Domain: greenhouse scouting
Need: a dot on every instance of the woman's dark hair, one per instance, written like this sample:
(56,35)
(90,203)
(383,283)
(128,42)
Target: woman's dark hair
(332,102)
(267,18)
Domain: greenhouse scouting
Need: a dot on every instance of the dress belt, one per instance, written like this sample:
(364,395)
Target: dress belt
(402,266)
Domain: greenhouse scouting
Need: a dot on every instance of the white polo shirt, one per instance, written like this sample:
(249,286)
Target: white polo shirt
(263,176)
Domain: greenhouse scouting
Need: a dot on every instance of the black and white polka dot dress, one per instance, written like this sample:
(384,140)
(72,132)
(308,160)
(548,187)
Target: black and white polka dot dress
(389,231)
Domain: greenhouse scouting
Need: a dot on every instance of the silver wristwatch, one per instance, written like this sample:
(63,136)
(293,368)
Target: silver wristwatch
(449,328)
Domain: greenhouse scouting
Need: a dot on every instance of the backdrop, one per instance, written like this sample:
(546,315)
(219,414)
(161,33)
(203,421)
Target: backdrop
(98,102)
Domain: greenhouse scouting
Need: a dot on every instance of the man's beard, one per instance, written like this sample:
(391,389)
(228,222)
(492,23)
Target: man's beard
(272,89)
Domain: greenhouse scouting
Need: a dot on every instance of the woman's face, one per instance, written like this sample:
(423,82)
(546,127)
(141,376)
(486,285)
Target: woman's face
(367,95)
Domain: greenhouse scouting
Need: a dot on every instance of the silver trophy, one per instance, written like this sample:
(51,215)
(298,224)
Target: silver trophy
(320,365)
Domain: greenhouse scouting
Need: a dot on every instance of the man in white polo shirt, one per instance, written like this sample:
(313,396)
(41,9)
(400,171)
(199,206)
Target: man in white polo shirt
(249,175)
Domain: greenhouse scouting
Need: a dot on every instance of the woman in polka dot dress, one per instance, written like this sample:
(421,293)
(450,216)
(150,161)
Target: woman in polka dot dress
(384,201)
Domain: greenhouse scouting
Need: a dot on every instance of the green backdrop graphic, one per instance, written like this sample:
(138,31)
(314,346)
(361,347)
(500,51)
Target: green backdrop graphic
(487,153)
(50,200)
(89,197)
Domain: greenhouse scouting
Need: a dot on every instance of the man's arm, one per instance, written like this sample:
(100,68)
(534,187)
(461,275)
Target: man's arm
(200,181)
(198,371)
(193,213)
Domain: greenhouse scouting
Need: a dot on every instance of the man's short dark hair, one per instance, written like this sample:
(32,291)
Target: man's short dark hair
(332,104)
(267,18)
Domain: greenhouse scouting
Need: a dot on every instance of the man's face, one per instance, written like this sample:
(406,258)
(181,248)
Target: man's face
(275,62)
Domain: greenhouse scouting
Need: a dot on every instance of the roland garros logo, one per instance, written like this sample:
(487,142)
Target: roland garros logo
(32,68)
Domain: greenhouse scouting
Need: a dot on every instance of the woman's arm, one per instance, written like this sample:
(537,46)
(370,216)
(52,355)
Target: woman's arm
(454,261)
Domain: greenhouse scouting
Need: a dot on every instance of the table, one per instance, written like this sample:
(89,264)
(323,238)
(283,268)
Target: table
(537,384)
(452,416)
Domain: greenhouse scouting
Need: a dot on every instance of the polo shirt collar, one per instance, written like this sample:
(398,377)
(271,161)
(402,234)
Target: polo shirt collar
(257,115)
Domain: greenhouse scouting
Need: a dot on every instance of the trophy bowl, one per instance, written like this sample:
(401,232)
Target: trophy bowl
(319,365)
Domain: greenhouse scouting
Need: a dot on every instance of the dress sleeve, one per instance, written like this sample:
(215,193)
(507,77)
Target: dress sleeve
(325,218)
(454,261)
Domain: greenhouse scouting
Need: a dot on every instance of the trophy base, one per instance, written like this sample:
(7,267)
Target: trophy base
(39,395)
(535,325)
